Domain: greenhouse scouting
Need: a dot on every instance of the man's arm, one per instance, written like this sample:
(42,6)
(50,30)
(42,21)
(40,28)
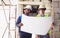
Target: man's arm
(52,25)
(51,30)
(18,23)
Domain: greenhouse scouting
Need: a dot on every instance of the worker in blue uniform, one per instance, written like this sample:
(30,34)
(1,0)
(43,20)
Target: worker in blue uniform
(23,34)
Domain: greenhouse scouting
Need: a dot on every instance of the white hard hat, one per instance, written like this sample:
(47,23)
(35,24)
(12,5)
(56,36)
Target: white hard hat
(42,6)
(28,7)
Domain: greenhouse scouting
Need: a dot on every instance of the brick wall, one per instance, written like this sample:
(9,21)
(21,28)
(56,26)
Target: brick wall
(56,7)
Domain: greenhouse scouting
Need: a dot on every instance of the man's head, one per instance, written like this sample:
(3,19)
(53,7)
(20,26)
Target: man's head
(41,9)
(27,9)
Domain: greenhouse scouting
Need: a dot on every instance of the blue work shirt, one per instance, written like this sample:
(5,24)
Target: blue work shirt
(18,21)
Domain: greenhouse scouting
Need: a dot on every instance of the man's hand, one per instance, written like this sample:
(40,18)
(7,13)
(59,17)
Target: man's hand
(36,36)
(51,28)
(20,24)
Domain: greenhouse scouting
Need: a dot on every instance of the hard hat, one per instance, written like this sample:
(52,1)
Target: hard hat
(42,6)
(28,7)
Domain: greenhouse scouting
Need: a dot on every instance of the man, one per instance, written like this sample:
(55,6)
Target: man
(26,10)
(41,13)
